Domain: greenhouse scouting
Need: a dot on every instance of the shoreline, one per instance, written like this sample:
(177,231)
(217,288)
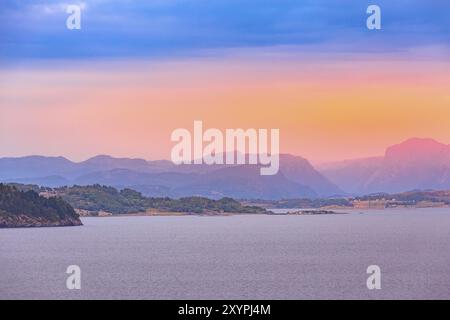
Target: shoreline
(298,212)
(292,212)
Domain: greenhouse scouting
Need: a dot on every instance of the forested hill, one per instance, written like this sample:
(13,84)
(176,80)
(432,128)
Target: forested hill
(29,209)
(96,198)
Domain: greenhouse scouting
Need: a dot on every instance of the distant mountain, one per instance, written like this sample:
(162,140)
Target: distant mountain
(416,164)
(244,182)
(40,167)
(237,181)
(104,162)
(299,170)
(50,181)
(351,175)
(296,178)
(150,184)
(34,167)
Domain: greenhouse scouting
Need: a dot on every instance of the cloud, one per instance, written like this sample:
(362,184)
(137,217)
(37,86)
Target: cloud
(35,29)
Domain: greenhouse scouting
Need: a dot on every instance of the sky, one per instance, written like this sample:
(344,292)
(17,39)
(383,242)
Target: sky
(137,70)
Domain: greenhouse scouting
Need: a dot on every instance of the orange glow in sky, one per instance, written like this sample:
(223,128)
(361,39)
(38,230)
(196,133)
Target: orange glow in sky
(325,111)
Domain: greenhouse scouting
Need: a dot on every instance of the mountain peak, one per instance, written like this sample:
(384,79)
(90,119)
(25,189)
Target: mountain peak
(102,158)
(418,147)
(421,142)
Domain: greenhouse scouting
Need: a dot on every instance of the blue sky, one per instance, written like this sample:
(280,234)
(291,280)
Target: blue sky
(35,29)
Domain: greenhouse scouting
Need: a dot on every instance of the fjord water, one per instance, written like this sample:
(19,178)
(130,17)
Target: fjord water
(236,257)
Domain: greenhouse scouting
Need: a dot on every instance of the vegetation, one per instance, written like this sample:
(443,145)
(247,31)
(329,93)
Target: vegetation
(59,202)
(302,203)
(201,205)
(411,197)
(16,202)
(102,198)
(28,187)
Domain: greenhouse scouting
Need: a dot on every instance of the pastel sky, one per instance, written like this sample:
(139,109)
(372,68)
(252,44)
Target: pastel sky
(137,70)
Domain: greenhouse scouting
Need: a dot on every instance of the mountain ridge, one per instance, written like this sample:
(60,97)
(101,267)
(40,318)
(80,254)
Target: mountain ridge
(160,178)
(414,164)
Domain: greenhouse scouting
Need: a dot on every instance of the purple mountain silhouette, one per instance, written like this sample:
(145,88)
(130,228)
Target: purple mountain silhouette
(295,179)
(413,164)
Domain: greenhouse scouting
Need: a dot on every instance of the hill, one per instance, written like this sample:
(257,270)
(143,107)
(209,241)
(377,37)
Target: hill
(29,209)
(96,198)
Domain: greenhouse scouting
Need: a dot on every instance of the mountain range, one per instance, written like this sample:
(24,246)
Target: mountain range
(163,178)
(413,164)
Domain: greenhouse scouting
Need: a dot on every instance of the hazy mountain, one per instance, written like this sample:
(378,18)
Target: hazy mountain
(413,164)
(150,184)
(299,170)
(104,162)
(351,175)
(50,181)
(237,181)
(244,182)
(34,167)
(416,164)
(296,178)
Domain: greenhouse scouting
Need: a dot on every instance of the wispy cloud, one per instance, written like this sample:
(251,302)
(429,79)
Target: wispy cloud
(35,29)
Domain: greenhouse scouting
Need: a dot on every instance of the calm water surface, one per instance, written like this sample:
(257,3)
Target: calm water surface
(238,257)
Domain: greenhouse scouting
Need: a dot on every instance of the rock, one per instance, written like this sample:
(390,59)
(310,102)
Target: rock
(25,221)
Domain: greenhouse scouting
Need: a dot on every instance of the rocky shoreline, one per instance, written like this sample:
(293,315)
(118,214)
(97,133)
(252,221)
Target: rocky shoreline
(313,212)
(27,209)
(25,221)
